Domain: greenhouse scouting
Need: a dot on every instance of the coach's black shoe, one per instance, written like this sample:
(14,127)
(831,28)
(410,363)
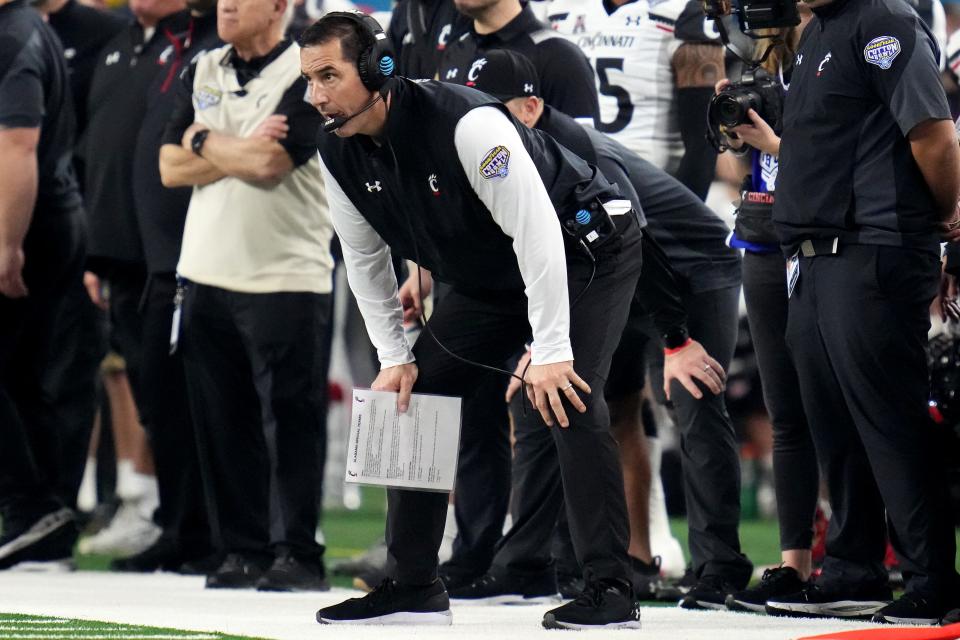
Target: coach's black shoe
(48,539)
(393,603)
(910,608)
(500,587)
(673,590)
(780,581)
(238,571)
(832,600)
(570,585)
(645,578)
(455,576)
(710,592)
(604,604)
(291,573)
(953,617)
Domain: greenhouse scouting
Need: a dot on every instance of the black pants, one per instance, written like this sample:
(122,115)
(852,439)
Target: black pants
(857,328)
(491,329)
(796,476)
(126,282)
(708,445)
(35,448)
(253,364)
(483,475)
(166,418)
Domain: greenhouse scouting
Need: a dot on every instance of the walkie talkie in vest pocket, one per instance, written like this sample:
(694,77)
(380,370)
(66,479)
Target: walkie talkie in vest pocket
(591,225)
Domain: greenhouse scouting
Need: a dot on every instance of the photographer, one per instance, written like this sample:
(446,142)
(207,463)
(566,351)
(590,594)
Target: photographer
(794,460)
(869,178)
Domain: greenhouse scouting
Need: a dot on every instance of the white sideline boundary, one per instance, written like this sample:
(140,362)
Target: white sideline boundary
(168,600)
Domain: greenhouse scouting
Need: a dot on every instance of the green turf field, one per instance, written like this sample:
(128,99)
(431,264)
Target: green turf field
(15,626)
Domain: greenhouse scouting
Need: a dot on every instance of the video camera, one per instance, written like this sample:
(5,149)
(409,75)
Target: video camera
(753,15)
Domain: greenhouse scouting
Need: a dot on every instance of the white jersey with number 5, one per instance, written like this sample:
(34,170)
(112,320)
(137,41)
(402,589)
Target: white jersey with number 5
(631,48)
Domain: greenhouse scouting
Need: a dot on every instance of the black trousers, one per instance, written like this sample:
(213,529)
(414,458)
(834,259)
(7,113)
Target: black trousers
(483,475)
(796,476)
(165,412)
(708,445)
(857,328)
(489,330)
(36,458)
(253,365)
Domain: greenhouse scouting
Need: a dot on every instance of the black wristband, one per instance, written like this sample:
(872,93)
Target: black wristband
(196,142)
(675,338)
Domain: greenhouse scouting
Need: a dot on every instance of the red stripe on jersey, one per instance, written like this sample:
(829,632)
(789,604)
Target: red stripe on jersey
(664,28)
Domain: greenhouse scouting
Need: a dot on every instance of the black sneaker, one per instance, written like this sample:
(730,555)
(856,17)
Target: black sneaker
(953,617)
(49,539)
(776,582)
(163,555)
(238,571)
(290,573)
(605,604)
(829,600)
(645,578)
(672,591)
(910,608)
(499,587)
(393,603)
(710,592)
(571,586)
(455,576)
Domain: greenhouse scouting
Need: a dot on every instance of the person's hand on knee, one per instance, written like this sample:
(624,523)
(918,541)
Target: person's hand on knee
(693,363)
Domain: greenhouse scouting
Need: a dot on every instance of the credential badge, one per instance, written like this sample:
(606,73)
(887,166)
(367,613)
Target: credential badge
(882,51)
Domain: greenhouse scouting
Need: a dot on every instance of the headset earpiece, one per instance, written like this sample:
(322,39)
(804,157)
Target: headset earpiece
(377,62)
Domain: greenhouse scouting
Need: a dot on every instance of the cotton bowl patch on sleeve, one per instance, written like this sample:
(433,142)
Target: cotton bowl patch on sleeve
(495,163)
(882,51)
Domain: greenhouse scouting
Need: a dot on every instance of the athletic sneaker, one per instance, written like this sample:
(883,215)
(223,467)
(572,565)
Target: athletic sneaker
(951,618)
(830,600)
(645,578)
(393,603)
(570,585)
(910,608)
(290,573)
(130,532)
(710,592)
(238,571)
(776,582)
(163,555)
(455,576)
(500,587)
(604,604)
(673,590)
(50,538)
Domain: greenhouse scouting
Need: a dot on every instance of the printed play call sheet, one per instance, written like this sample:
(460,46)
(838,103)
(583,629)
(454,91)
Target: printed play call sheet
(414,450)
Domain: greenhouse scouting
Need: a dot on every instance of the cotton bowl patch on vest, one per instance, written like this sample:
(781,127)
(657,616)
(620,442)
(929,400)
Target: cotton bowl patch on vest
(495,164)
(882,51)
(206,97)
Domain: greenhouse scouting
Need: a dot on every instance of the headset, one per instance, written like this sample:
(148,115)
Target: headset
(377,62)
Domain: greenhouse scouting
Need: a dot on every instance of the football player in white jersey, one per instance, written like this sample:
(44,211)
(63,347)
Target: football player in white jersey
(656,64)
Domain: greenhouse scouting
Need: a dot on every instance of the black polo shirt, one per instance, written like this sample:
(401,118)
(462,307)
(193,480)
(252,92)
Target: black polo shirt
(83,31)
(865,74)
(34,93)
(161,212)
(566,77)
(420,31)
(116,107)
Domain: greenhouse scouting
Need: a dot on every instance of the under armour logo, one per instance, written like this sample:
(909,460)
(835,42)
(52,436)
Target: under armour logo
(452,73)
(374,187)
(113,58)
(799,59)
(528,88)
